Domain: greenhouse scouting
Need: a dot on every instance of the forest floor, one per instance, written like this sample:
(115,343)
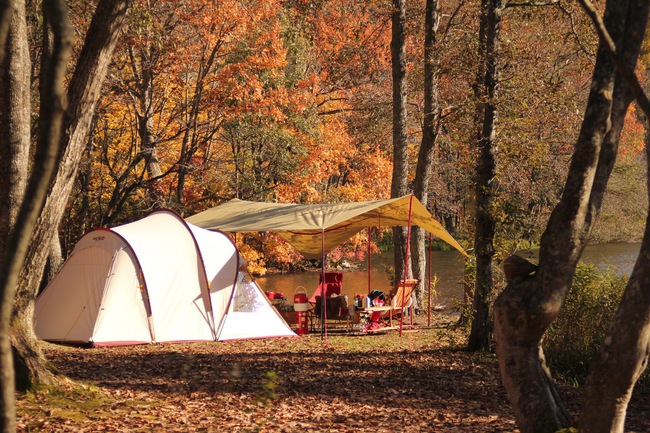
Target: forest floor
(422,381)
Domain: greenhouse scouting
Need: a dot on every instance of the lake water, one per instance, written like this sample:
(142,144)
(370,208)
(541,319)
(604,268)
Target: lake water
(448,266)
(615,257)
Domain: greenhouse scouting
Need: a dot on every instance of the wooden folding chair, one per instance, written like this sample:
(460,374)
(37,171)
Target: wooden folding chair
(401,300)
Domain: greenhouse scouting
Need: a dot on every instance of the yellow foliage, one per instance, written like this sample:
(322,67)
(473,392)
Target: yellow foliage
(633,134)
(255,260)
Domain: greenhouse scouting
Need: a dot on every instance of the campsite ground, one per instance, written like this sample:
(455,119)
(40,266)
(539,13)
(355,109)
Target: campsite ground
(422,381)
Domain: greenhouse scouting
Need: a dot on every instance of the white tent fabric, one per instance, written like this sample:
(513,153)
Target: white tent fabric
(158,279)
(233,293)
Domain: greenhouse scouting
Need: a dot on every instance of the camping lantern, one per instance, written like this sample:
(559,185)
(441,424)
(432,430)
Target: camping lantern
(301,306)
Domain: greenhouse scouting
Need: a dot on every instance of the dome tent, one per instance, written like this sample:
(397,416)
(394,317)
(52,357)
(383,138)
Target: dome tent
(158,279)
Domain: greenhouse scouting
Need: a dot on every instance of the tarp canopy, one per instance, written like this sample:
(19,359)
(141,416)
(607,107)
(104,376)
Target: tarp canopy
(303,225)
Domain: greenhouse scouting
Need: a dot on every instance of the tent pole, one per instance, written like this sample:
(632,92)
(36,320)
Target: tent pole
(406,261)
(429,284)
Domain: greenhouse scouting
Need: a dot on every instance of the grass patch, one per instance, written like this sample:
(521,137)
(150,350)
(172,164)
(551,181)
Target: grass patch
(73,403)
(66,401)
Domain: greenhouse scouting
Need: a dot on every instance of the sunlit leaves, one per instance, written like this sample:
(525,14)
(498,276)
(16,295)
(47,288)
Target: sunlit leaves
(290,101)
(634,133)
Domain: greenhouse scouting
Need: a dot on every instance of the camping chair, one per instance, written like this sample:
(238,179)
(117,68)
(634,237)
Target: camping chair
(383,317)
(337,310)
(400,300)
(333,285)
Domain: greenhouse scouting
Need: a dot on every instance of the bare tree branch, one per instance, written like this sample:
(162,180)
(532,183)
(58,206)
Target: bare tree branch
(532,4)
(582,46)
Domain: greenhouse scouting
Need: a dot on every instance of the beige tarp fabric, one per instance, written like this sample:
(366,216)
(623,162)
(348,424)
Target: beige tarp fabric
(302,225)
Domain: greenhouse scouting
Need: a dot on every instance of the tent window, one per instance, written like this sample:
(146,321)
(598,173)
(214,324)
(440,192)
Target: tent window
(246,295)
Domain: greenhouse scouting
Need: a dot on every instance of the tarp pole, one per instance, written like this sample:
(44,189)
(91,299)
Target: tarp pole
(406,261)
(323,331)
(429,283)
(378,238)
(369,257)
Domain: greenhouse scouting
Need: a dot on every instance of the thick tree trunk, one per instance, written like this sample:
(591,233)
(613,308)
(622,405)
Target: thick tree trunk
(481,332)
(16,122)
(531,301)
(623,356)
(15,118)
(400,145)
(29,360)
(84,88)
(427,147)
(52,108)
(625,351)
(14,151)
(519,325)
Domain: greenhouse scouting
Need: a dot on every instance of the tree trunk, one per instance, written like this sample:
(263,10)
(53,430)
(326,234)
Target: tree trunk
(54,261)
(15,113)
(52,108)
(400,145)
(84,88)
(143,64)
(148,140)
(624,354)
(427,147)
(625,351)
(14,152)
(531,301)
(480,335)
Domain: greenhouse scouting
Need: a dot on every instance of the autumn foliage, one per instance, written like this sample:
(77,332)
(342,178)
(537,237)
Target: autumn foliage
(290,101)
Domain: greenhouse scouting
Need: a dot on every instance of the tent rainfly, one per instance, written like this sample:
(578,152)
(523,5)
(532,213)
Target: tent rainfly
(310,227)
(158,279)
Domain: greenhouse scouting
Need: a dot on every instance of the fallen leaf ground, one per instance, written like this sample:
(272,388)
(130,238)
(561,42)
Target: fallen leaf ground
(423,381)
